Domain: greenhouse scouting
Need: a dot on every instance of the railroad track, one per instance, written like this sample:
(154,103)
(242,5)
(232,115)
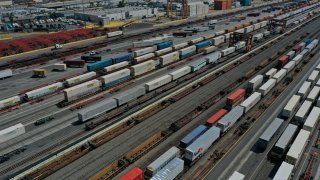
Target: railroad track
(117,130)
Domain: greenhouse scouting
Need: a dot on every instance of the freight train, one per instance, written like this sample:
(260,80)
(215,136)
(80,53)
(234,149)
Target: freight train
(198,141)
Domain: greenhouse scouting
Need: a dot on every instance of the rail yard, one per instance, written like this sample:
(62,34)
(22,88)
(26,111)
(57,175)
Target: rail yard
(238,101)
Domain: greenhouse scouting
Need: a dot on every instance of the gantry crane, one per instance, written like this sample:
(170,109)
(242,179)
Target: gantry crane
(184,8)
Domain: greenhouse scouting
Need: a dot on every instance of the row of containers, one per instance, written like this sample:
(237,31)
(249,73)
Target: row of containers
(171,164)
(78,90)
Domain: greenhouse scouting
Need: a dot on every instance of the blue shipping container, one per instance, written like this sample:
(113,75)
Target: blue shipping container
(116,81)
(164,45)
(198,65)
(202,44)
(245,2)
(99,65)
(122,57)
(307,40)
(192,136)
(191,53)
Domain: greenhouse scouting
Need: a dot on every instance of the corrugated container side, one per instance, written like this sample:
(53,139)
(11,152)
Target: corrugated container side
(115,78)
(171,170)
(116,66)
(228,51)
(312,119)
(134,174)
(11,132)
(304,89)
(254,83)
(193,135)
(215,118)
(5,73)
(314,94)
(81,78)
(81,90)
(280,75)
(96,109)
(303,111)
(169,58)
(142,68)
(291,106)
(271,73)
(180,72)
(297,148)
(268,134)
(284,171)
(236,98)
(230,118)
(156,83)
(289,66)
(130,95)
(9,102)
(144,57)
(251,101)
(266,87)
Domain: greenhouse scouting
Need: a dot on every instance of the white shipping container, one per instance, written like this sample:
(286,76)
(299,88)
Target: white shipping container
(313,76)
(116,77)
(169,58)
(266,33)
(158,82)
(209,36)
(280,75)
(263,23)
(210,49)
(304,89)
(240,30)
(142,68)
(297,147)
(163,51)
(80,79)
(271,73)
(59,67)
(143,51)
(291,54)
(254,83)
(218,40)
(251,101)
(116,66)
(256,26)
(291,106)
(11,132)
(227,36)
(257,37)
(9,102)
(312,119)
(81,90)
(213,58)
(284,172)
(114,33)
(144,57)
(236,176)
(187,50)
(303,111)
(240,44)
(170,171)
(303,52)
(194,41)
(266,87)
(180,72)
(219,33)
(44,90)
(5,73)
(228,51)
(248,29)
(180,46)
(314,94)
(289,66)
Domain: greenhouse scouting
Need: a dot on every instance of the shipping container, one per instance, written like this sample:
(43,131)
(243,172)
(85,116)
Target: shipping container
(114,33)
(44,91)
(304,52)
(81,78)
(194,41)
(266,87)
(226,37)
(251,101)
(143,51)
(314,94)
(297,49)
(96,109)
(313,77)
(297,148)
(210,49)
(291,106)
(116,66)
(81,90)
(269,133)
(218,33)
(236,176)
(240,45)
(263,23)
(5,73)
(180,72)
(144,57)
(9,102)
(40,72)
(228,51)
(303,111)
(216,117)
(304,89)
(248,29)
(143,68)
(256,26)
(290,54)
(74,63)
(163,51)
(11,132)
(202,144)
(130,95)
(257,37)
(99,65)
(280,75)
(218,40)
(192,136)
(289,66)
(198,64)
(201,46)
(213,58)
(283,60)
(240,30)
(134,174)
(230,118)
(187,52)
(180,46)
(122,58)
(235,98)
(312,119)
(266,33)
(169,58)
(59,67)
(115,78)
(209,36)
(156,83)
(162,161)
(283,143)
(164,45)
(170,171)
(284,172)
(254,83)
(271,73)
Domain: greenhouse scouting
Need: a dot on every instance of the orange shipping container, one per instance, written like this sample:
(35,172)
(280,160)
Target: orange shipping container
(229,4)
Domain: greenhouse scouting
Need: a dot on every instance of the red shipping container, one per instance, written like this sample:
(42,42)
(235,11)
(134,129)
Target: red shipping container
(297,48)
(220,5)
(235,98)
(229,4)
(134,174)
(214,119)
(283,60)
(74,63)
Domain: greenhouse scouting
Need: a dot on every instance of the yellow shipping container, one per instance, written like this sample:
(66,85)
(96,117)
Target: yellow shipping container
(40,72)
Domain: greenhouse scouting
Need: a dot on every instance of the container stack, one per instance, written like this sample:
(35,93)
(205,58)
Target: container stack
(196,9)
(246,2)
(222,4)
